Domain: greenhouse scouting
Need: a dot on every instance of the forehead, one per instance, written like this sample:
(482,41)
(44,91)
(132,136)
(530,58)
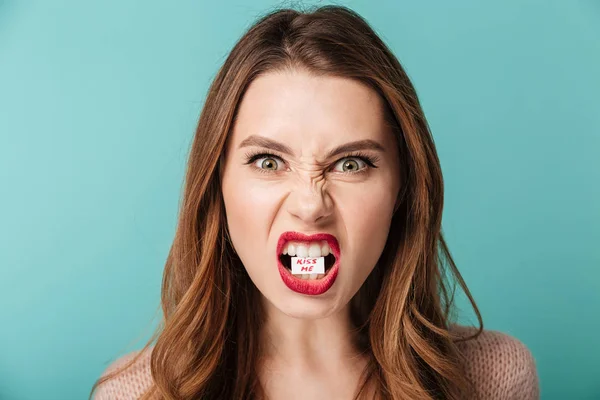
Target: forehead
(294,105)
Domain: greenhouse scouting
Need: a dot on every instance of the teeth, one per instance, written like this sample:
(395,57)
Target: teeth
(291,249)
(310,277)
(314,249)
(324,249)
(301,251)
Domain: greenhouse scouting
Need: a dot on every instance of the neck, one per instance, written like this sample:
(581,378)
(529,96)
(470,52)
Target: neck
(316,357)
(307,343)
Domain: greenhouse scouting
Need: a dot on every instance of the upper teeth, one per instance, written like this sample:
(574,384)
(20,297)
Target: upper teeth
(312,249)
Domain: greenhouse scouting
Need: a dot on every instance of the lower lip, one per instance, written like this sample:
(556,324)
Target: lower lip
(312,287)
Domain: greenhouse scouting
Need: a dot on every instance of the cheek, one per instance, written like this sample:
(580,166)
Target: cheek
(250,204)
(249,208)
(366,215)
(367,207)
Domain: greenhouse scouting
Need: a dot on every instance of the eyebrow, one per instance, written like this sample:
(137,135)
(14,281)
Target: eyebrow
(261,141)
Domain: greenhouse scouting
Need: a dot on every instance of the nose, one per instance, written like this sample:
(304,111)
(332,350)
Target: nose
(310,203)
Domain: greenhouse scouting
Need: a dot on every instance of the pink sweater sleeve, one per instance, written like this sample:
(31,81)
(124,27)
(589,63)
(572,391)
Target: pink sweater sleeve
(500,367)
(128,385)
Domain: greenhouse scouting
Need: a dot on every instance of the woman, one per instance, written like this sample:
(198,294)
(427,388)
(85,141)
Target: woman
(308,261)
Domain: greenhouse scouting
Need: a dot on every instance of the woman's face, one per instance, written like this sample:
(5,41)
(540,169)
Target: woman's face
(310,169)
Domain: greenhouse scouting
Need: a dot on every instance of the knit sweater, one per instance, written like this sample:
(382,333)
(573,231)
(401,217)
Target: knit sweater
(499,366)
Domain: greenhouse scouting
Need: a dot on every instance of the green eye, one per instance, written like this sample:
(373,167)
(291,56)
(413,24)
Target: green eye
(269,164)
(350,165)
(265,162)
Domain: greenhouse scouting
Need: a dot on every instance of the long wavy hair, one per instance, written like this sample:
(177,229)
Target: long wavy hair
(207,346)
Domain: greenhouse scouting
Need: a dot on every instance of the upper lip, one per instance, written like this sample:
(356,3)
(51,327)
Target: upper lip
(301,237)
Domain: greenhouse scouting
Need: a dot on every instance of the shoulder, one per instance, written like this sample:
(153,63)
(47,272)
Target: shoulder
(500,366)
(130,383)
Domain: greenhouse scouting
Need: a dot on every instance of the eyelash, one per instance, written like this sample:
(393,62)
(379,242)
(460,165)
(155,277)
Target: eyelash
(251,157)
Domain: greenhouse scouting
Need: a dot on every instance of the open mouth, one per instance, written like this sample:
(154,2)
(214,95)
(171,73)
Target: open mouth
(317,254)
(312,249)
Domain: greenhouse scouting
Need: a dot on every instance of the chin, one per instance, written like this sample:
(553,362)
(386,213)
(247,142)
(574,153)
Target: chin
(307,308)
(300,306)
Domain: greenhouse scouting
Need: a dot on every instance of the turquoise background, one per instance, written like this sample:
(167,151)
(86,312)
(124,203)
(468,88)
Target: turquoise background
(98,105)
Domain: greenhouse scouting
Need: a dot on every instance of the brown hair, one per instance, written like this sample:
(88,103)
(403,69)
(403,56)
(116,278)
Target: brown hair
(207,343)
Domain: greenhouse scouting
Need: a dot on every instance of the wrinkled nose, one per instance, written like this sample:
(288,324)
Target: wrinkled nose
(310,203)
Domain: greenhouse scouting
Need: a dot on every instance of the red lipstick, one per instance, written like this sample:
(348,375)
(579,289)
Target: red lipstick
(309,287)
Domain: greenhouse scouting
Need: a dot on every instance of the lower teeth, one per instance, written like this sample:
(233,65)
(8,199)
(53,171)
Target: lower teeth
(309,277)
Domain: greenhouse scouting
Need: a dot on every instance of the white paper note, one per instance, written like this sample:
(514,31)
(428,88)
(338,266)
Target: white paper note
(308,265)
